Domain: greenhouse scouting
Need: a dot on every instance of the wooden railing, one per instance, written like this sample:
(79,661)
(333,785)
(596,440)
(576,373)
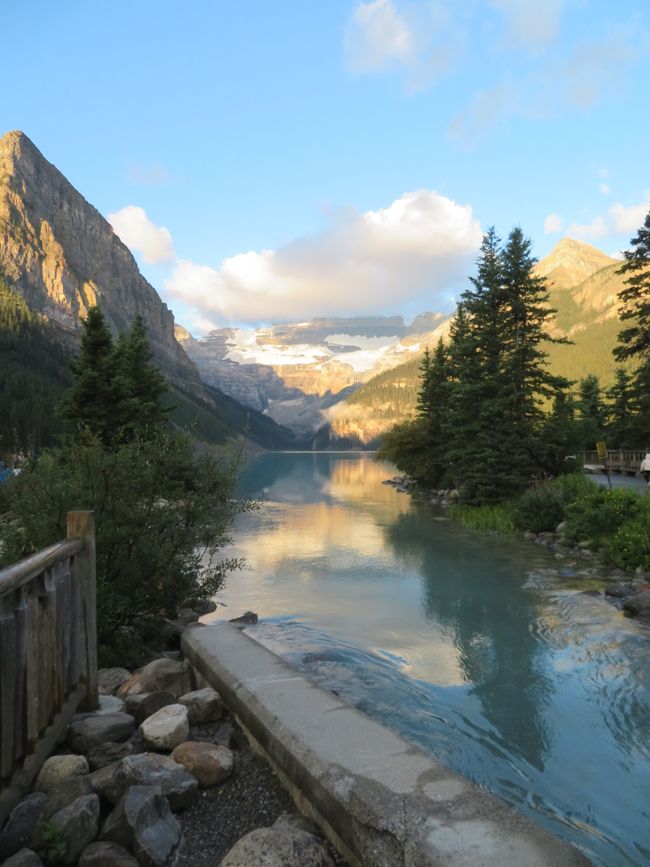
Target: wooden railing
(48,653)
(618,461)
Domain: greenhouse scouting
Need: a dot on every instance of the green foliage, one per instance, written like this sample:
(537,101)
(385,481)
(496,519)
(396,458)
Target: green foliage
(487,519)
(539,509)
(629,547)
(51,843)
(599,513)
(33,374)
(161,512)
(591,413)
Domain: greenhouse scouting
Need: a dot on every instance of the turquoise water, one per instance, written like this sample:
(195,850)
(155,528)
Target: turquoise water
(488,652)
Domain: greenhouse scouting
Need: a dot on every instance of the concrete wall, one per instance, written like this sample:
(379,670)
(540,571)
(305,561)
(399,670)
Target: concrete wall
(381,801)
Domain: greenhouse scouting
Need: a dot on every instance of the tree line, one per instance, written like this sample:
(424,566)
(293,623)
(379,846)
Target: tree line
(491,418)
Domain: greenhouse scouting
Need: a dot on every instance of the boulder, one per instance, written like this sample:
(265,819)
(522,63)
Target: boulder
(620,591)
(105,754)
(279,846)
(209,763)
(57,769)
(249,617)
(151,769)
(203,706)
(166,675)
(79,822)
(144,704)
(111,679)
(638,603)
(91,731)
(105,854)
(166,728)
(102,779)
(143,822)
(21,823)
(65,793)
(23,858)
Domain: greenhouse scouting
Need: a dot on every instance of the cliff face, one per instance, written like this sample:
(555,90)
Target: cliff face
(63,257)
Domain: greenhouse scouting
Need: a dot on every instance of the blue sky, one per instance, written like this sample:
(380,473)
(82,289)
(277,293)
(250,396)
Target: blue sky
(282,160)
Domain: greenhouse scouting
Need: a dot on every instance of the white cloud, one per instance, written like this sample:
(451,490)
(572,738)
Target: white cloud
(604,189)
(415,249)
(553,223)
(485,111)
(530,23)
(154,175)
(629,218)
(377,37)
(597,228)
(142,236)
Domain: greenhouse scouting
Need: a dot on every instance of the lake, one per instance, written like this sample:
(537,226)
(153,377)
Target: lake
(488,652)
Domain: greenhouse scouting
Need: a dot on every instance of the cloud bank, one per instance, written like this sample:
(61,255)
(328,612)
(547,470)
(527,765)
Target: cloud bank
(140,235)
(417,248)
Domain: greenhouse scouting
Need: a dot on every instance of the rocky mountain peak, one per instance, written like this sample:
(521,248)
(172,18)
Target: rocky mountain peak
(571,261)
(63,257)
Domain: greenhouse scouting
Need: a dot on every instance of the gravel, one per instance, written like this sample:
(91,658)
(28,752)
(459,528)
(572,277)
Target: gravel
(252,798)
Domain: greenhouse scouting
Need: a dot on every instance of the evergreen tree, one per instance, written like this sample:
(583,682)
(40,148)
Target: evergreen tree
(621,413)
(591,413)
(634,341)
(560,436)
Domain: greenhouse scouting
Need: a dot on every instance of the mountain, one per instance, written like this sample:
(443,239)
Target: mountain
(584,285)
(60,256)
(296,372)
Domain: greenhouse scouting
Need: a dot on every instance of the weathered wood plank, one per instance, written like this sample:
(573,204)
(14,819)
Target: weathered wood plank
(33,665)
(20,701)
(7,685)
(14,577)
(81,525)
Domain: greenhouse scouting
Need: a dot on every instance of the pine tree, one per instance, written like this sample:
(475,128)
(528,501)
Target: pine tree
(591,412)
(561,440)
(634,341)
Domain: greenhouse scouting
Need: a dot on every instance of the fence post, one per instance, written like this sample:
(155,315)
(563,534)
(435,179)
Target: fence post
(81,525)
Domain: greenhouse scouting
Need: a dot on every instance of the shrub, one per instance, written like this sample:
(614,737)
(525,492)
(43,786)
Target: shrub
(573,485)
(629,547)
(162,514)
(539,509)
(599,514)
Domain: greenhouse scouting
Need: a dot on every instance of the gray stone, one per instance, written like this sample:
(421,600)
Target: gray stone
(24,858)
(105,754)
(203,706)
(91,731)
(166,728)
(21,823)
(65,793)
(105,854)
(79,821)
(56,769)
(151,769)
(164,675)
(102,779)
(144,704)
(637,604)
(620,591)
(143,822)
(248,617)
(111,679)
(279,846)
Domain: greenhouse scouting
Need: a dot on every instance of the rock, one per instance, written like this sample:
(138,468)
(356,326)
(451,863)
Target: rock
(151,769)
(143,822)
(111,679)
(79,822)
(279,846)
(144,704)
(109,704)
(529,535)
(105,854)
(105,754)
(638,603)
(298,822)
(586,543)
(188,615)
(164,675)
(620,591)
(561,527)
(209,763)
(246,617)
(203,706)
(56,769)
(23,858)
(65,793)
(21,823)
(94,730)
(166,728)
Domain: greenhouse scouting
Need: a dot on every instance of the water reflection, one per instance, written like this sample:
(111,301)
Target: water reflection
(482,650)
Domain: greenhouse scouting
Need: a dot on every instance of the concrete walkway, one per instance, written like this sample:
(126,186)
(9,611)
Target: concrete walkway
(381,801)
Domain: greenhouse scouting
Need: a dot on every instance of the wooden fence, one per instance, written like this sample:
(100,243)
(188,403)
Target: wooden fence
(48,653)
(618,461)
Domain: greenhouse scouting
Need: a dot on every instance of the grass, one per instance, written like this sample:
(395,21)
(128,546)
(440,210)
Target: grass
(487,519)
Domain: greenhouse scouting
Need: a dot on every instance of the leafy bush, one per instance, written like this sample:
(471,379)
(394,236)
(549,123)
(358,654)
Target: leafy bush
(161,513)
(573,485)
(599,513)
(539,509)
(629,547)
